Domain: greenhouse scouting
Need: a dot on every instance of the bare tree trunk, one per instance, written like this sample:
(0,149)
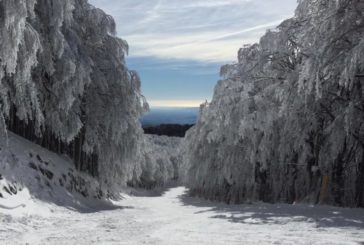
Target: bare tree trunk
(359,190)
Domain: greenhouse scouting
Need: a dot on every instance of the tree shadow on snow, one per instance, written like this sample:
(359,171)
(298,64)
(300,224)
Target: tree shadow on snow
(156,191)
(60,196)
(263,213)
(42,183)
(88,205)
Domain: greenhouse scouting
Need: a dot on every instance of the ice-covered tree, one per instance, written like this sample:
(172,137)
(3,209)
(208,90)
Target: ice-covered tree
(286,121)
(64,83)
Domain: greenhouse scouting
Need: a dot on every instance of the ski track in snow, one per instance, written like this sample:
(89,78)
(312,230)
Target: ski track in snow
(175,218)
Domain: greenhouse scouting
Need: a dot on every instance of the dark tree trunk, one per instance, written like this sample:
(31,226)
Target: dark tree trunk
(338,176)
(83,162)
(359,190)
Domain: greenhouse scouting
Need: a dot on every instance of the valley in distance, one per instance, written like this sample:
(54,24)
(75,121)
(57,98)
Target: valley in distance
(169,121)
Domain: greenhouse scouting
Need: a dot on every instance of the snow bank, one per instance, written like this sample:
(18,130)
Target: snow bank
(31,176)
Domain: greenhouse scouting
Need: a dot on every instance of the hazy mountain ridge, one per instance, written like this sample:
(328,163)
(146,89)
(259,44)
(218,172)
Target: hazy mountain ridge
(169,115)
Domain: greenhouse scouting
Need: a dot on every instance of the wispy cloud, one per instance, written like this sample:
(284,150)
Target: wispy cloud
(251,29)
(200,30)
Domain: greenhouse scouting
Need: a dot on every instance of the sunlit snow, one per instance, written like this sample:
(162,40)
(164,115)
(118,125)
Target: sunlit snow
(174,218)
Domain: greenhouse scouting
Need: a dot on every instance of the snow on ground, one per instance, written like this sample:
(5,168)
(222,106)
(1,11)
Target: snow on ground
(174,218)
(32,177)
(46,201)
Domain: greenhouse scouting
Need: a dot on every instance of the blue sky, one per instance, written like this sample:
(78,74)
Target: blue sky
(178,46)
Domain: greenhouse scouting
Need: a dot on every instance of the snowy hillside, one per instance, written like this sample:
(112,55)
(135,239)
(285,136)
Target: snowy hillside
(27,169)
(286,121)
(31,175)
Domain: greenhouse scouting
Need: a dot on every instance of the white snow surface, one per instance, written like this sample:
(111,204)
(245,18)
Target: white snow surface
(175,218)
(42,214)
(39,178)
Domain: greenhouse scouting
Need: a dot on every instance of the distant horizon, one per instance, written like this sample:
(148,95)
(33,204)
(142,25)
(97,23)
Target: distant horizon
(174,107)
(175,103)
(170,115)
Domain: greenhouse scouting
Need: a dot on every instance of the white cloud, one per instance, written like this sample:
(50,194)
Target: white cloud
(201,30)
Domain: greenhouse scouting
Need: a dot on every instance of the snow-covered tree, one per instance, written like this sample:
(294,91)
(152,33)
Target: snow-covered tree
(64,84)
(286,121)
(158,162)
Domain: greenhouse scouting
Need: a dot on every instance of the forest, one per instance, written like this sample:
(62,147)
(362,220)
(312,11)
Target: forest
(65,86)
(286,120)
(285,123)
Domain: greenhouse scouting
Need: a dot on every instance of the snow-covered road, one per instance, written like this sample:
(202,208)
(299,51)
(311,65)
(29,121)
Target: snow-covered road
(174,218)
